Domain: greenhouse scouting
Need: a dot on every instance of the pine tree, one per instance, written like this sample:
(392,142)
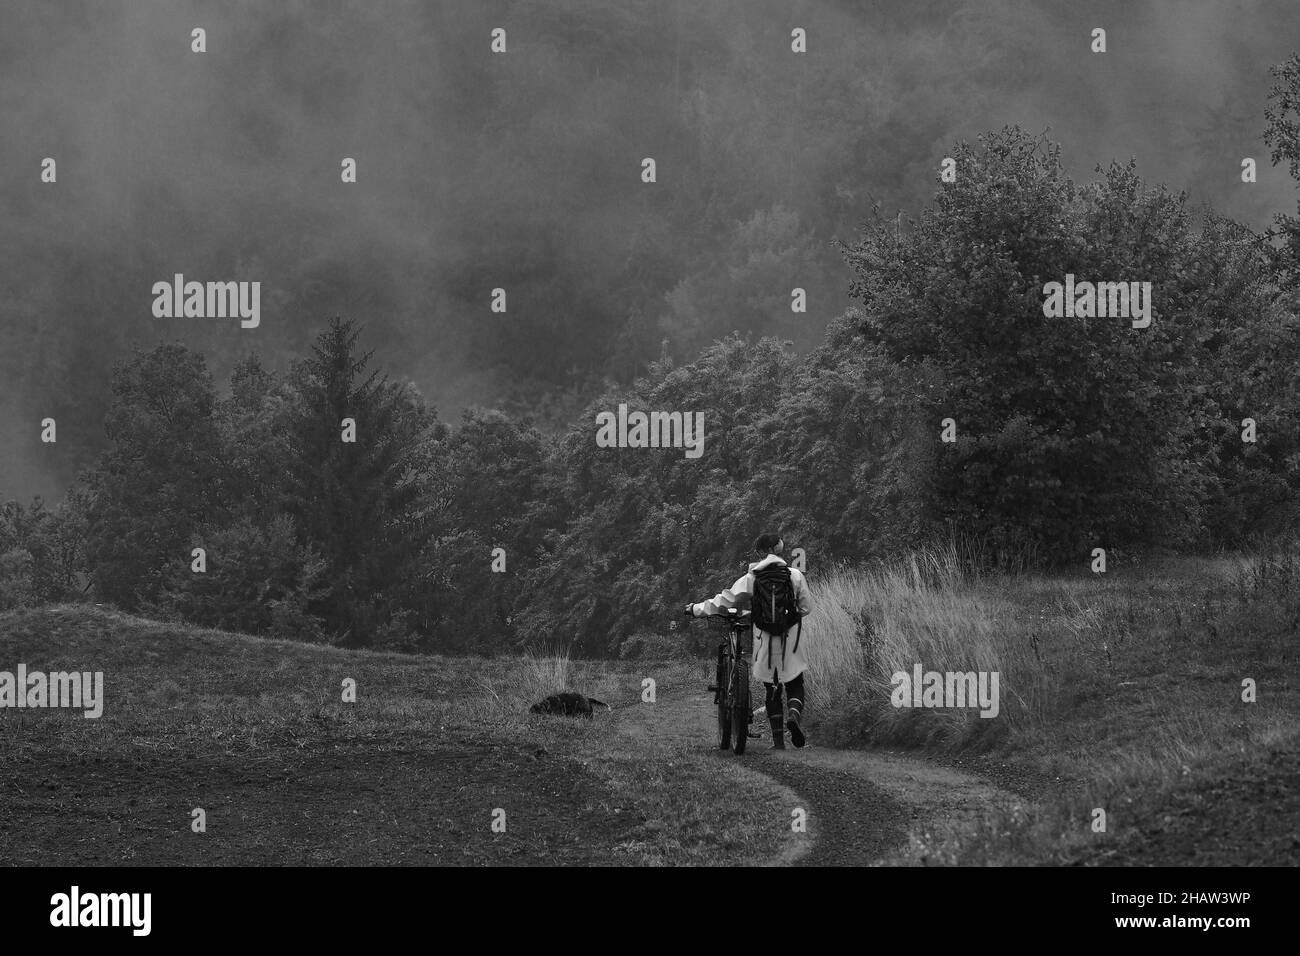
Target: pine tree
(365,506)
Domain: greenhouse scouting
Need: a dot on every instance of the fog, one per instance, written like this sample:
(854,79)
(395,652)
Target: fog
(522,171)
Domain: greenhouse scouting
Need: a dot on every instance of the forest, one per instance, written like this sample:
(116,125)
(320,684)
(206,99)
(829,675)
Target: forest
(1067,435)
(210,475)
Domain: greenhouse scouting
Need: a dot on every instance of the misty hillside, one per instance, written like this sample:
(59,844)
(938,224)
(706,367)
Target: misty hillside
(521,171)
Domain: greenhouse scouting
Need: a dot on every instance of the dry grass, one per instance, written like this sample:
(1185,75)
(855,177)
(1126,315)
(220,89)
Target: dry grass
(1116,688)
(929,609)
(534,677)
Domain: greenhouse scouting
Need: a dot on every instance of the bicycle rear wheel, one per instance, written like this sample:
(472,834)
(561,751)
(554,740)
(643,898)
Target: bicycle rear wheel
(740,715)
(724,704)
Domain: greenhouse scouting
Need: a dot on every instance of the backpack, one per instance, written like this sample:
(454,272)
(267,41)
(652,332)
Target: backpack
(772,605)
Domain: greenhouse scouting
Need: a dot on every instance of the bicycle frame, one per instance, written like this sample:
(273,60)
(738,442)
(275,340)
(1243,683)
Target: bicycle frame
(731,687)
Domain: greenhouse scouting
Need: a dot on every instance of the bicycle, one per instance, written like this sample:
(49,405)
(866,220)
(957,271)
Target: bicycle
(731,684)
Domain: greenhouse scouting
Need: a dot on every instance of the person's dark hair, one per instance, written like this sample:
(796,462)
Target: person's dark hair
(766,543)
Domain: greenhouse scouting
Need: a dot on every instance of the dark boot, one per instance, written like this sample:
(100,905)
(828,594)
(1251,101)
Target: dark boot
(796,732)
(778,733)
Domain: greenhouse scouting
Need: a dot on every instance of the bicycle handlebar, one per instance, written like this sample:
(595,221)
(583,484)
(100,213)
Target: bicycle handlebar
(732,615)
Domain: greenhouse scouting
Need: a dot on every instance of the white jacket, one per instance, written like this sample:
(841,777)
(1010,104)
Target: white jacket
(770,664)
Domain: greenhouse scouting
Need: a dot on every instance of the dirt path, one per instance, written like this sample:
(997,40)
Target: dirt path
(864,808)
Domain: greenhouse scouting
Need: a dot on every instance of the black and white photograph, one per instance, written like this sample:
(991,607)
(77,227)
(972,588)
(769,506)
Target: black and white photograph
(523,435)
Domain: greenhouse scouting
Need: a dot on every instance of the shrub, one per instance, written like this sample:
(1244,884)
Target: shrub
(258,581)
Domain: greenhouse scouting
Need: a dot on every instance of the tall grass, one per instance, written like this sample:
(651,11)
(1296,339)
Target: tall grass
(1115,688)
(537,676)
(935,608)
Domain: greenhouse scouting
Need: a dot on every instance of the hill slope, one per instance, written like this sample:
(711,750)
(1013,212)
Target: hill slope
(255,732)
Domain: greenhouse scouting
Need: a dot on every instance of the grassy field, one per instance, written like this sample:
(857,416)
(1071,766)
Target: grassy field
(255,732)
(1120,691)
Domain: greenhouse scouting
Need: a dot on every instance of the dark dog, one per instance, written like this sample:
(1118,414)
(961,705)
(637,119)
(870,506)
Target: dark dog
(568,705)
